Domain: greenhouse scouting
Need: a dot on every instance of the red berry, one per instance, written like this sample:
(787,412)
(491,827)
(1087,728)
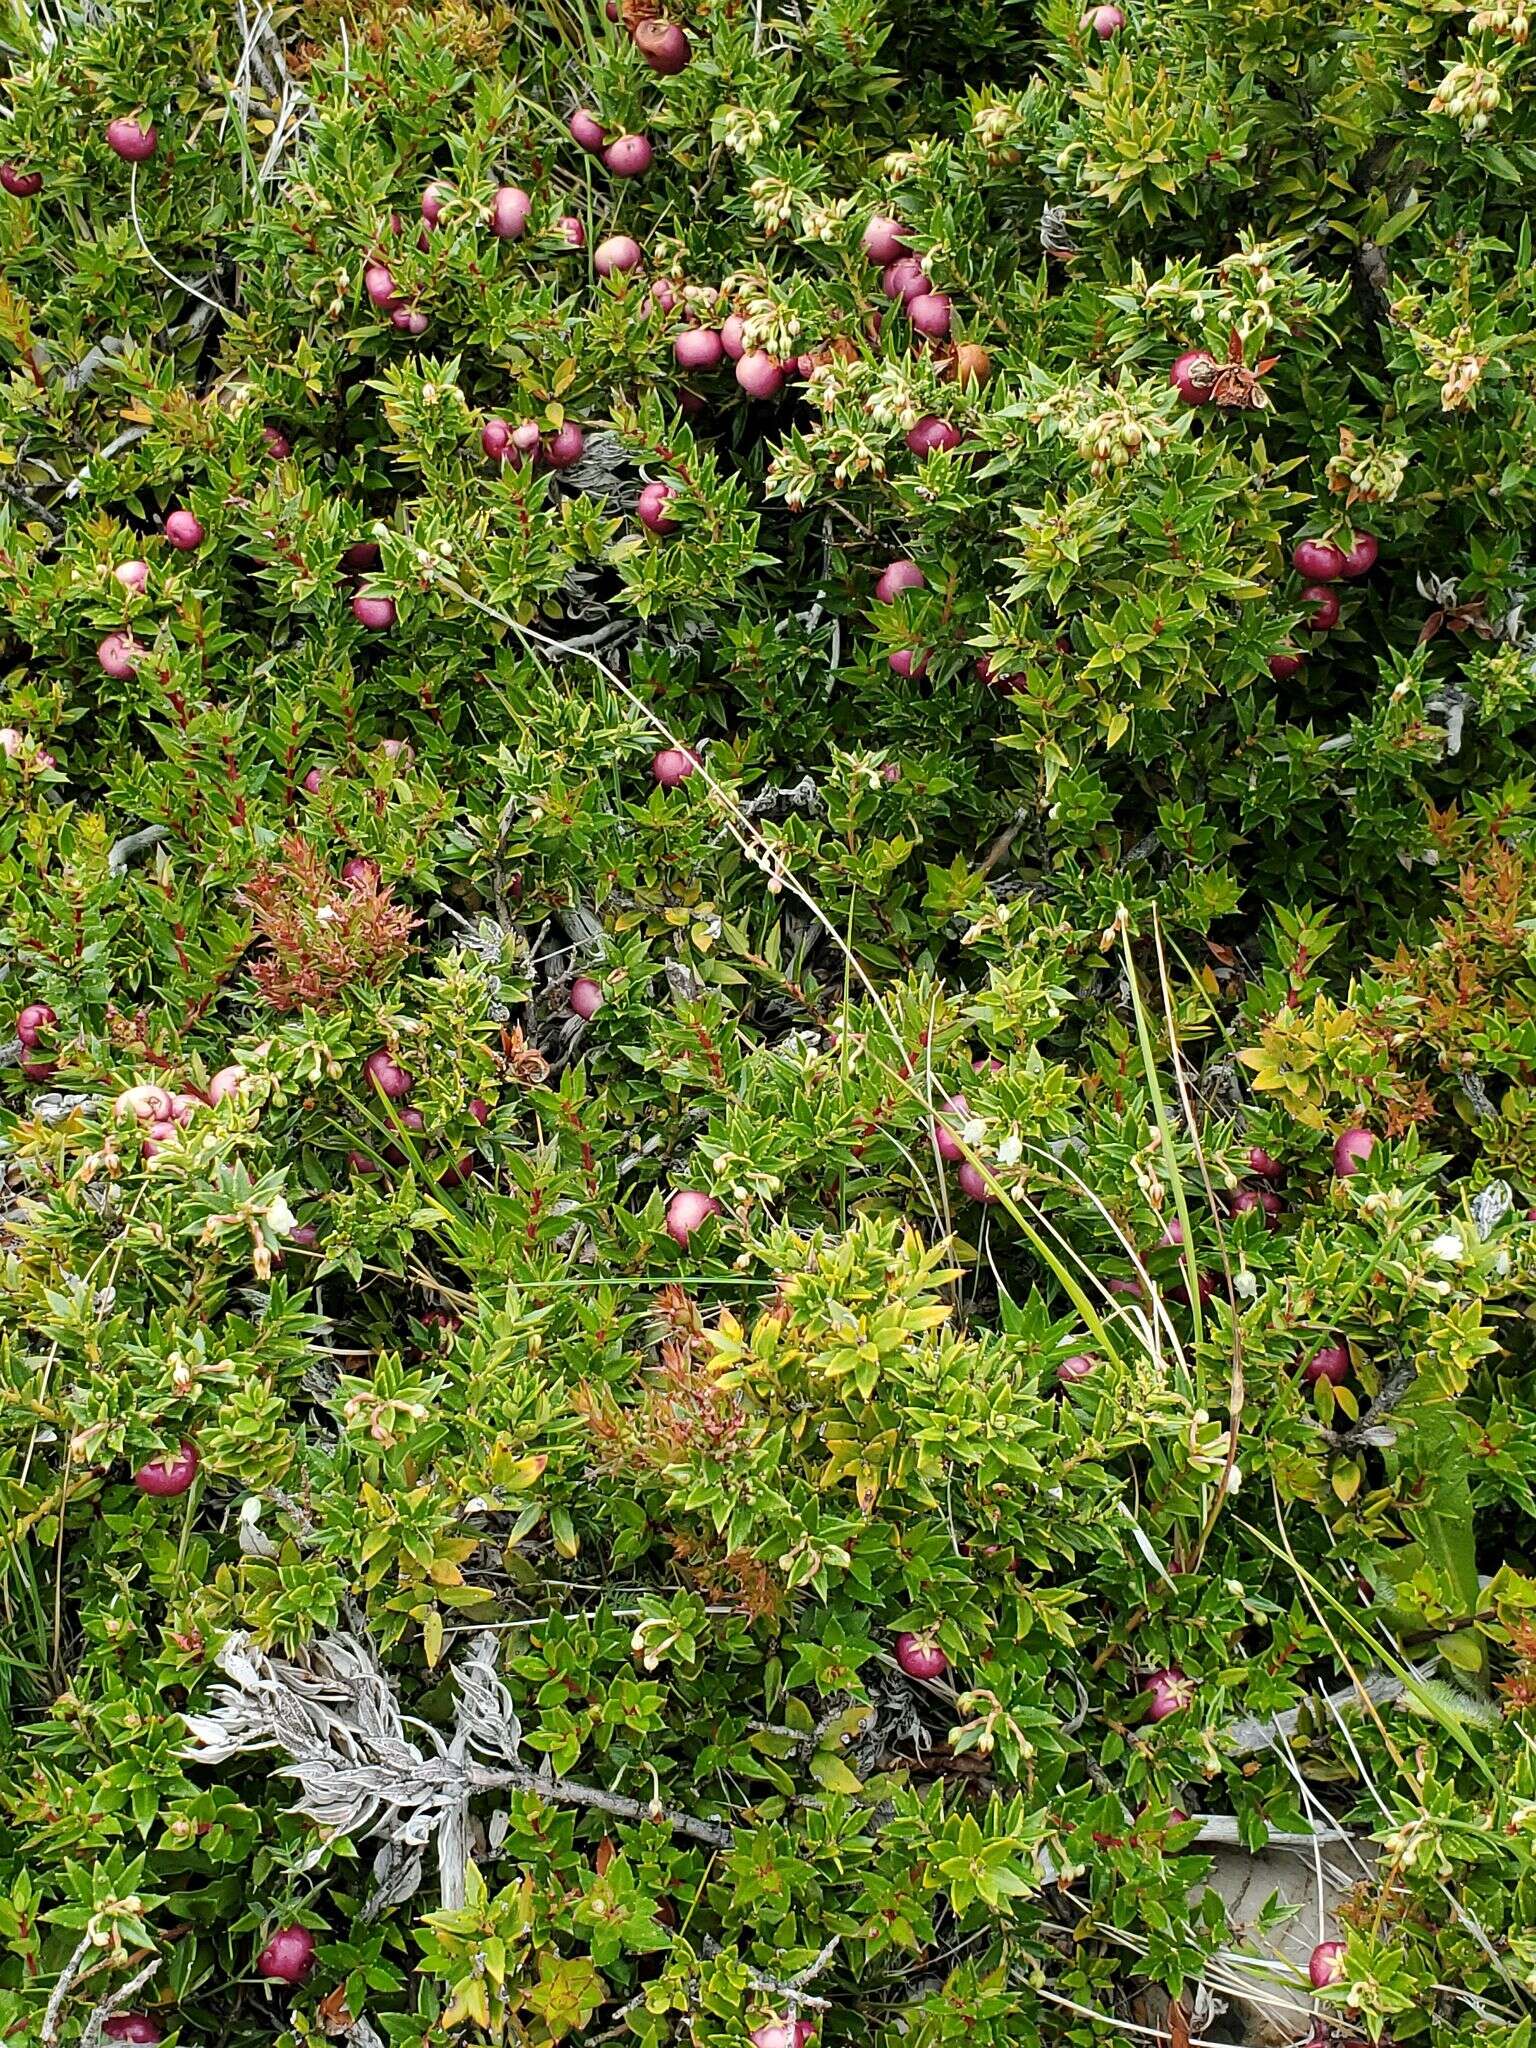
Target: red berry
(1362,556)
(686,1210)
(34,1022)
(1317,561)
(137,2027)
(479,1109)
(1325,1965)
(509,212)
(759,375)
(1248,1199)
(572,230)
(932,433)
(289,1956)
(388,1076)
(1325,607)
(629,157)
(909,663)
(1169,1691)
(616,252)
(376,613)
(184,532)
(361,1162)
(409,320)
(20,184)
(780,2033)
(587,132)
(565,446)
(1260,1162)
(920,1656)
(651,508)
(164,1477)
(132,141)
(673,765)
(133,576)
(496,439)
(586,997)
(884,240)
(1331,1363)
(664,46)
(379,284)
(904,279)
(360,872)
(1192,375)
(930,314)
(1351,1149)
(975,1184)
(277,443)
(1283,666)
(117,655)
(698,348)
(1009,686)
(896,577)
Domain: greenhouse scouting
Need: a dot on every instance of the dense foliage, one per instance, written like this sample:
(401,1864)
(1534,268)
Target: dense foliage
(500,875)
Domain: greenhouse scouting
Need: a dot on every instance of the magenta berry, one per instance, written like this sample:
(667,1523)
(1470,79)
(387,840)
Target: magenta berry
(1330,1362)
(884,240)
(1362,557)
(586,997)
(974,1184)
(432,204)
(377,614)
(496,439)
(313,780)
(34,1022)
(586,131)
(1351,1149)
(1104,21)
(673,765)
(904,279)
(932,433)
(987,672)
(277,443)
(1317,561)
(616,253)
(782,2034)
(896,577)
(759,375)
(930,314)
(1192,375)
(288,1957)
(133,576)
(651,508)
(662,295)
(1261,1163)
(131,140)
(388,1076)
(686,1210)
(565,446)
(165,1477)
(629,156)
(920,1656)
(360,872)
(1246,1200)
(698,348)
(664,46)
(1325,1965)
(20,184)
(1167,1690)
(509,212)
(1072,1370)
(409,320)
(908,662)
(945,1143)
(184,532)
(1283,666)
(379,284)
(572,230)
(1325,607)
(138,2027)
(117,655)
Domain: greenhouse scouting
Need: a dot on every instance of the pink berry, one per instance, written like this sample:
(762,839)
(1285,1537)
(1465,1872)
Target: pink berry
(1317,561)
(1325,607)
(496,439)
(34,1022)
(226,1082)
(1248,1199)
(132,141)
(432,203)
(185,1107)
(572,230)
(759,375)
(1260,1162)
(586,997)
(137,2027)
(932,433)
(975,1185)
(945,1143)
(479,1109)
(908,663)
(1169,1690)
(884,240)
(930,314)
(651,508)
(629,157)
(39,1070)
(164,1477)
(565,446)
(20,184)
(146,1103)
(686,1210)
(616,253)
(1007,686)
(363,554)
(896,577)
(509,212)
(1351,1149)
(920,1656)
(376,613)
(1330,1363)
(698,348)
(379,284)
(184,532)
(904,279)
(313,780)
(360,872)
(289,1956)
(586,131)
(277,443)
(673,765)
(363,1163)
(1192,375)
(1283,666)
(1075,1368)
(1172,1237)
(1362,557)
(525,440)
(664,46)
(409,320)
(733,337)
(133,576)
(117,655)
(782,2034)
(1325,1965)
(1105,22)
(662,295)
(388,1076)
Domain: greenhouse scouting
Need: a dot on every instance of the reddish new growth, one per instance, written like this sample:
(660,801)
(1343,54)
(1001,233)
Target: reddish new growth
(322,935)
(683,1413)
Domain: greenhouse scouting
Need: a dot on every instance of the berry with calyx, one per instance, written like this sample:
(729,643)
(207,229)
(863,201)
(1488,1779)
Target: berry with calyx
(163,1478)
(586,131)
(132,140)
(629,156)
(1193,375)
(1317,561)
(1361,558)
(20,184)
(664,46)
(1325,607)
(920,1656)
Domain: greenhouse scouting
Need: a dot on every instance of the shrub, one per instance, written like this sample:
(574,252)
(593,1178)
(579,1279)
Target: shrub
(992,562)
